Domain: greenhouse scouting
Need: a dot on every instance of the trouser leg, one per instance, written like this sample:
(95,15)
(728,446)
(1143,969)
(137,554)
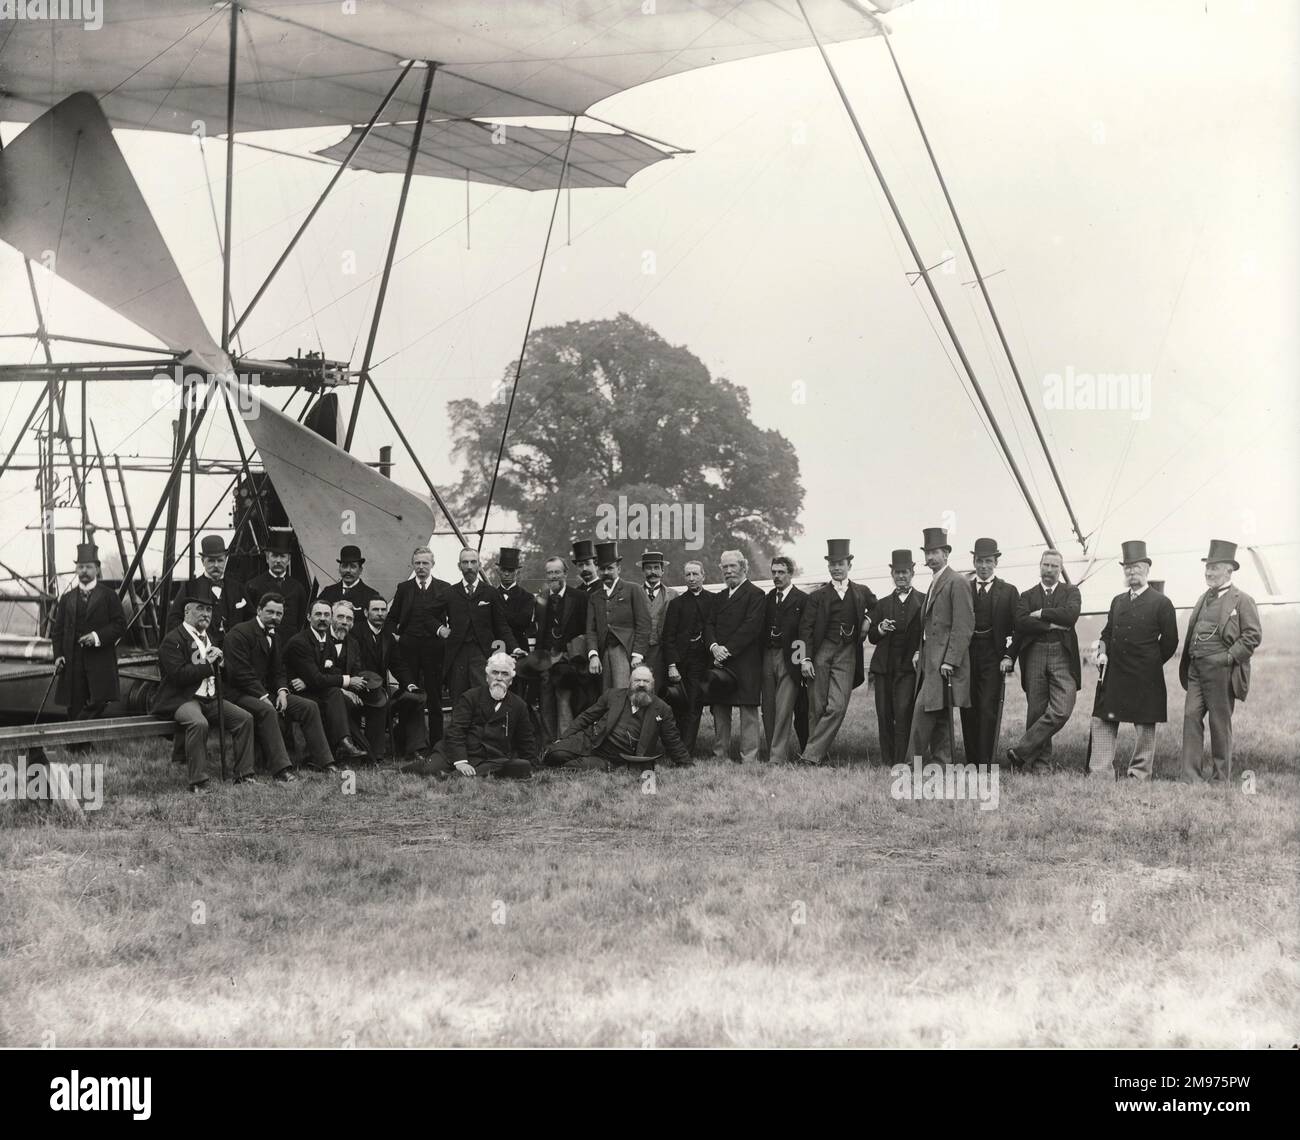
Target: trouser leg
(833,685)
(749,733)
(787,695)
(334,715)
(1104,737)
(721,731)
(904,686)
(193,734)
(884,693)
(305,713)
(1194,709)
(615,667)
(266,731)
(515,768)
(1142,762)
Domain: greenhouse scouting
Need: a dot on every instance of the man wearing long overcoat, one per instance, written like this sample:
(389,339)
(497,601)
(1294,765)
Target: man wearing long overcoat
(735,639)
(88,624)
(895,631)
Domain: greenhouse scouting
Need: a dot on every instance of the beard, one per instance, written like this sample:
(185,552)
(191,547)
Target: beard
(640,698)
(498,689)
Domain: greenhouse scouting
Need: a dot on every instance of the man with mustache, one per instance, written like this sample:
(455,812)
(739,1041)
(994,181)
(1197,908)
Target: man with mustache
(477,627)
(618,622)
(590,685)
(381,655)
(418,616)
(782,682)
(350,587)
(560,659)
(657,597)
(88,623)
(490,732)
(896,633)
(993,650)
(227,595)
(277,580)
(1050,671)
(628,726)
(323,666)
(735,639)
(686,653)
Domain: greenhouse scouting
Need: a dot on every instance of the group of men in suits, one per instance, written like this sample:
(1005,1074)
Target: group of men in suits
(584,653)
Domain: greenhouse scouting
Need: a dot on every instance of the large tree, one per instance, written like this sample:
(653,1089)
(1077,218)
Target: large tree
(616,433)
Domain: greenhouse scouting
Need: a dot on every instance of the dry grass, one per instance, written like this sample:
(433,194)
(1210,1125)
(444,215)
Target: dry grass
(579,910)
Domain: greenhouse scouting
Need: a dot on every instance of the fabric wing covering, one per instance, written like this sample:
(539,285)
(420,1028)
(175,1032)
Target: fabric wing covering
(319,483)
(309,64)
(523,157)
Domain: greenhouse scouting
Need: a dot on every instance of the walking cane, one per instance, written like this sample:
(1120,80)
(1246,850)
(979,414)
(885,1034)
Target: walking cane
(221,720)
(997,726)
(48,690)
(947,712)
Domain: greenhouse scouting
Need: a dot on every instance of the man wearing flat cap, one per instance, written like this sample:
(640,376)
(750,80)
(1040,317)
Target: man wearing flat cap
(1050,671)
(88,623)
(1140,635)
(227,595)
(992,651)
(350,587)
(618,622)
(657,597)
(1222,634)
(943,661)
(277,580)
(895,631)
(835,623)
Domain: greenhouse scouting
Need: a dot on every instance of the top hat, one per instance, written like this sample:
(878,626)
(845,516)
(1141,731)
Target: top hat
(1221,550)
(901,560)
(351,554)
(837,548)
(87,552)
(508,558)
(278,542)
(986,548)
(607,552)
(653,556)
(583,549)
(936,538)
(1134,551)
(212,546)
(376,694)
(196,591)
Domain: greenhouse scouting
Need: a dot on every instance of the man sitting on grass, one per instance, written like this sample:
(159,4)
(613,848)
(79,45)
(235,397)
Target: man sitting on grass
(490,734)
(625,727)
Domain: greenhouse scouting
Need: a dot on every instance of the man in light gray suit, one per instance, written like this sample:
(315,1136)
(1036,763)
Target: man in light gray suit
(943,661)
(618,622)
(657,597)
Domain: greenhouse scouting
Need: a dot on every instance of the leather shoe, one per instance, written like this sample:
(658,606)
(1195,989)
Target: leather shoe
(286,776)
(247,780)
(347,750)
(200,788)
(1014,760)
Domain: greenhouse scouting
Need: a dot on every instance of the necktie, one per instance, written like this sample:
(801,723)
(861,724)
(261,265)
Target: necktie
(1211,594)
(207,688)
(780,597)
(984,590)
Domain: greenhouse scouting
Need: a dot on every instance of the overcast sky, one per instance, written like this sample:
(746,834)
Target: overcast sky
(1129,172)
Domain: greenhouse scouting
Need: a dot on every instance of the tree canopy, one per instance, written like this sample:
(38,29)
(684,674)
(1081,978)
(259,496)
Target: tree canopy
(616,433)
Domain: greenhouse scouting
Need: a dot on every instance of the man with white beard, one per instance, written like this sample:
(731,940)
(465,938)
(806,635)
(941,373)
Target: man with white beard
(490,733)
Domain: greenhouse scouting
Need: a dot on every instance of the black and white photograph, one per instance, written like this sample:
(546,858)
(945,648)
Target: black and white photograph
(650,525)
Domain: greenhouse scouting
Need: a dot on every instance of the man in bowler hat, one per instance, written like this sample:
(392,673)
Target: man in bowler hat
(1222,634)
(895,632)
(227,595)
(350,587)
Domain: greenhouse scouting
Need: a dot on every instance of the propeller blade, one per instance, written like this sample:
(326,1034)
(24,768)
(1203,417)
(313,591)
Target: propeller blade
(69,201)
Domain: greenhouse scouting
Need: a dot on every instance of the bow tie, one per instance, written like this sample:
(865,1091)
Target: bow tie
(1213,592)
(901,593)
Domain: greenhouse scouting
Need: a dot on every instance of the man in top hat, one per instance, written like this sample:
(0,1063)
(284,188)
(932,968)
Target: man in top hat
(896,634)
(782,677)
(657,597)
(478,627)
(735,639)
(418,615)
(1140,635)
(1048,651)
(1222,634)
(626,726)
(618,622)
(559,661)
(257,682)
(188,660)
(992,652)
(227,595)
(491,731)
(686,653)
(276,580)
(88,623)
(590,685)
(836,620)
(520,609)
(584,562)
(350,587)
(943,661)
(323,663)
(381,655)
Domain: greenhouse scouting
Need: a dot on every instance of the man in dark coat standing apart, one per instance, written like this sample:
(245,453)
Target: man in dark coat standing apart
(896,633)
(1048,651)
(735,639)
(992,651)
(1140,635)
(1222,634)
(943,661)
(836,620)
(88,624)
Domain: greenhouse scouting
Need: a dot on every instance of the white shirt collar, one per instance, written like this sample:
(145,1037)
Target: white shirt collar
(195,635)
(609,589)
(841,588)
(1140,590)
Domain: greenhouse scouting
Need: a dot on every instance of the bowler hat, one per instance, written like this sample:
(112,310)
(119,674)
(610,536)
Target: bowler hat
(1134,551)
(278,542)
(197,591)
(986,548)
(1221,550)
(607,552)
(87,552)
(212,546)
(936,538)
(837,548)
(653,556)
(351,554)
(376,694)
(901,560)
(508,558)
(583,549)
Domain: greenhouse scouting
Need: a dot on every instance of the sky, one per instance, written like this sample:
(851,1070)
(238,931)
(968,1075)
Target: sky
(1127,175)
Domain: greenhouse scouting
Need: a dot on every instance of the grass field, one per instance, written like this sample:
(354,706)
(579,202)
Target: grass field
(734,906)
